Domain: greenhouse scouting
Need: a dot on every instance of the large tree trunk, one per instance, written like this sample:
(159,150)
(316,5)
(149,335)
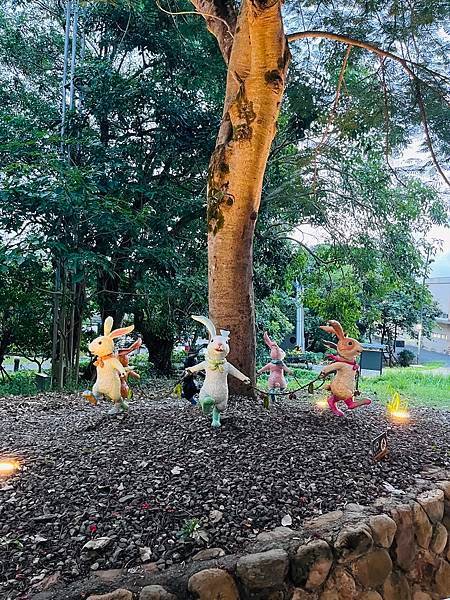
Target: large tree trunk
(255,84)
(159,352)
(108,285)
(159,346)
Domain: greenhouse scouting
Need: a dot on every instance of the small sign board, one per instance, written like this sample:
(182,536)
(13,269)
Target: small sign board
(380,447)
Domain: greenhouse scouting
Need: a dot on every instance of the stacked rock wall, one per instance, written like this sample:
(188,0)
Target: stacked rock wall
(398,549)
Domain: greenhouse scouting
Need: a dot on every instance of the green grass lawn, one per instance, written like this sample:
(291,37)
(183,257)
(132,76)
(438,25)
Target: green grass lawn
(413,385)
(431,366)
(21,383)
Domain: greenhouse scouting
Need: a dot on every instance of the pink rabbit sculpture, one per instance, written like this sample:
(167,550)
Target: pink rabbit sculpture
(276,367)
(345,368)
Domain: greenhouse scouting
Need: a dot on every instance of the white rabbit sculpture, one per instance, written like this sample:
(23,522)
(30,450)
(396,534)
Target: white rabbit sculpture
(110,371)
(213,397)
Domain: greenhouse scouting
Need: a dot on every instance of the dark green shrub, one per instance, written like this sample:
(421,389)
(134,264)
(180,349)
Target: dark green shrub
(21,383)
(406,358)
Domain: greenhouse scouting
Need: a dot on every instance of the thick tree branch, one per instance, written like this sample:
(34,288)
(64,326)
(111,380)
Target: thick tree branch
(345,39)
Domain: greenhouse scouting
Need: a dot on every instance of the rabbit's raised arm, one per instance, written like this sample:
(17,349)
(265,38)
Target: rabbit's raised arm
(236,373)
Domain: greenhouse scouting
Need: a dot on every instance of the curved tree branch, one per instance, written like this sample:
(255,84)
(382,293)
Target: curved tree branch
(332,115)
(426,130)
(405,63)
(345,39)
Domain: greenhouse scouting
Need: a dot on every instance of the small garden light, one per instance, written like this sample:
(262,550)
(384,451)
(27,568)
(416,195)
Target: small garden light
(397,409)
(8,466)
(321,403)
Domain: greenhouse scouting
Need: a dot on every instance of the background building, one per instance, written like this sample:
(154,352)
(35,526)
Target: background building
(440,338)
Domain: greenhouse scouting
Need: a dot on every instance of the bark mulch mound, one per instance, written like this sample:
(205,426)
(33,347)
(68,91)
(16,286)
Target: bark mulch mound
(143,479)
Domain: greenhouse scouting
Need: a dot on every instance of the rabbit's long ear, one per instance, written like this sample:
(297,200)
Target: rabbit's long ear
(328,329)
(329,344)
(207,323)
(108,325)
(267,339)
(225,334)
(338,329)
(134,346)
(122,331)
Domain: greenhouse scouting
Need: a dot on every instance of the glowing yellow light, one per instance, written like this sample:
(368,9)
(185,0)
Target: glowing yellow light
(322,403)
(8,466)
(398,409)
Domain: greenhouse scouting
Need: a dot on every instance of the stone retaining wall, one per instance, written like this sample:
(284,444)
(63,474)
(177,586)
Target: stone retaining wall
(398,549)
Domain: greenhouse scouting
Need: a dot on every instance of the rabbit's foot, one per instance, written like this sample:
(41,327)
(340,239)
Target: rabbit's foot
(207,404)
(90,397)
(332,404)
(123,406)
(193,401)
(116,409)
(215,418)
(352,404)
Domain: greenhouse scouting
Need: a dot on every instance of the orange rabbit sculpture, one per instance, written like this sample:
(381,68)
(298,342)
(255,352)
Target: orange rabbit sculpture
(345,366)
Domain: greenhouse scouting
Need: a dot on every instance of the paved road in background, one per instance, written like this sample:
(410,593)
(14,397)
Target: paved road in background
(426,356)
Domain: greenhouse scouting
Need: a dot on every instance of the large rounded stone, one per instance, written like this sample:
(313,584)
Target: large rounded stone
(439,539)
(263,570)
(445,487)
(443,579)
(208,554)
(446,522)
(405,545)
(279,533)
(155,592)
(424,568)
(341,584)
(311,564)
(396,587)
(423,528)
(433,504)
(213,584)
(421,596)
(370,596)
(119,594)
(383,530)
(373,569)
(324,521)
(352,542)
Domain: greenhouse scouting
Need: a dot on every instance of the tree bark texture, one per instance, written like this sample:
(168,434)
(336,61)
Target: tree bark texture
(256,79)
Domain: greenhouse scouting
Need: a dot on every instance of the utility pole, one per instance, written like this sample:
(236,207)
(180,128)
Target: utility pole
(63,351)
(300,325)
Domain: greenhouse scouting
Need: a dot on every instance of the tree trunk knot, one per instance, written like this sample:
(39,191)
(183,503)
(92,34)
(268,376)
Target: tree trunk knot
(274,80)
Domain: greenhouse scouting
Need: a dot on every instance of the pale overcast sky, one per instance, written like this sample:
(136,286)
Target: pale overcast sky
(441,265)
